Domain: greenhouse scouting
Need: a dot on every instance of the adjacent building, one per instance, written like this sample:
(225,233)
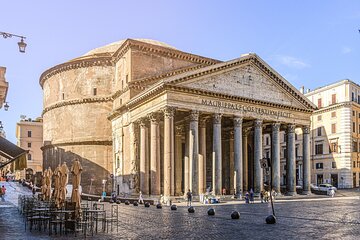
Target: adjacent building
(335,135)
(29,134)
(143,116)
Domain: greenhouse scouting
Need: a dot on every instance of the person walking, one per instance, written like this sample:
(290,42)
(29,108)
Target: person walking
(189,198)
(3,192)
(247,197)
(262,196)
(251,196)
(141,200)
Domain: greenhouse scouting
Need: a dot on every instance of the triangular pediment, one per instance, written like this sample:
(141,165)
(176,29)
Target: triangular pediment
(245,80)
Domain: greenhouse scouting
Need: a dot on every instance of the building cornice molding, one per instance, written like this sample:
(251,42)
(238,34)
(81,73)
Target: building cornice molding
(76,102)
(91,142)
(75,64)
(334,107)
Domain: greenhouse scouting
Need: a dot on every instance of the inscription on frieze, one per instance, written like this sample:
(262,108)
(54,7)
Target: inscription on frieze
(240,108)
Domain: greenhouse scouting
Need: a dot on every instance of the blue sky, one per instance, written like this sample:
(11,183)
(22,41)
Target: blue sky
(310,43)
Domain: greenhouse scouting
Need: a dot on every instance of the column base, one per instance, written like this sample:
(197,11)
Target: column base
(291,194)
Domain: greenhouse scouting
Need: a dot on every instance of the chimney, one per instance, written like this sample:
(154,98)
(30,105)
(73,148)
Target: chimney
(302,89)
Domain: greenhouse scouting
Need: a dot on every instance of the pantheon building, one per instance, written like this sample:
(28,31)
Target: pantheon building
(143,116)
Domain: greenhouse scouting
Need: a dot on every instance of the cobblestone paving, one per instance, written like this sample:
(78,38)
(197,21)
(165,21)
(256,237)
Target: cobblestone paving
(315,219)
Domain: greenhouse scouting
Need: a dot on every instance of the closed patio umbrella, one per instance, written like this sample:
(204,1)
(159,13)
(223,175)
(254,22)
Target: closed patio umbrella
(56,192)
(76,170)
(48,177)
(64,174)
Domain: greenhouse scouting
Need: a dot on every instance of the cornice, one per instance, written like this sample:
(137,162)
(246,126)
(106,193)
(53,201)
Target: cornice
(334,107)
(92,142)
(77,101)
(75,64)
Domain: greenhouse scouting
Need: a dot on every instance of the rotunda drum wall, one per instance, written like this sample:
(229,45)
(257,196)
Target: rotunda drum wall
(76,123)
(77,84)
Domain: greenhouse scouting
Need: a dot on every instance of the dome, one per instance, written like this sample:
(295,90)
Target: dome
(112,47)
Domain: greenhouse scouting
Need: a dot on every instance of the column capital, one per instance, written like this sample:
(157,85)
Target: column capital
(203,122)
(168,112)
(179,130)
(142,121)
(246,132)
(258,123)
(291,128)
(194,115)
(153,117)
(306,129)
(217,118)
(276,127)
(238,121)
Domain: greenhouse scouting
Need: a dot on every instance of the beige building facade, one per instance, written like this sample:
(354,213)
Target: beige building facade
(335,135)
(29,134)
(144,116)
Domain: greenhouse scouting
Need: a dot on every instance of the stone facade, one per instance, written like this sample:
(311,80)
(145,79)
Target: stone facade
(4,85)
(29,134)
(163,121)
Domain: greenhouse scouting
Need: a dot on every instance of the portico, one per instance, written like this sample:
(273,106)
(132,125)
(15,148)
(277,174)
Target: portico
(203,129)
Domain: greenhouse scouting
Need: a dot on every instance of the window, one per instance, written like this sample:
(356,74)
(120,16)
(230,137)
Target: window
(29,144)
(319,166)
(333,128)
(353,113)
(333,147)
(94,91)
(285,152)
(63,96)
(127,78)
(267,141)
(352,96)
(319,103)
(333,114)
(359,115)
(29,133)
(354,130)
(319,118)
(319,131)
(355,146)
(358,98)
(29,156)
(333,164)
(333,99)
(318,148)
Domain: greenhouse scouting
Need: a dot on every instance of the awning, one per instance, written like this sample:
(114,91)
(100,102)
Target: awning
(12,153)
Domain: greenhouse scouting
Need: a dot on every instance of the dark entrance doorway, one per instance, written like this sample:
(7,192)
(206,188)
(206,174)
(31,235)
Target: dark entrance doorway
(334,180)
(319,179)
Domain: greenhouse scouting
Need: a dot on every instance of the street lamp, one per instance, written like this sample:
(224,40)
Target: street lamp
(265,163)
(22,45)
(6,106)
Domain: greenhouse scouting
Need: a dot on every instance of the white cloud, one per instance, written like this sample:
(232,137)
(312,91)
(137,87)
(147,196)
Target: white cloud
(292,62)
(346,50)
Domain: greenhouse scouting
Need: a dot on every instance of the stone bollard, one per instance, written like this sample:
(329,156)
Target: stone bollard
(158,206)
(135,203)
(271,219)
(235,215)
(173,207)
(211,212)
(147,204)
(127,202)
(191,209)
